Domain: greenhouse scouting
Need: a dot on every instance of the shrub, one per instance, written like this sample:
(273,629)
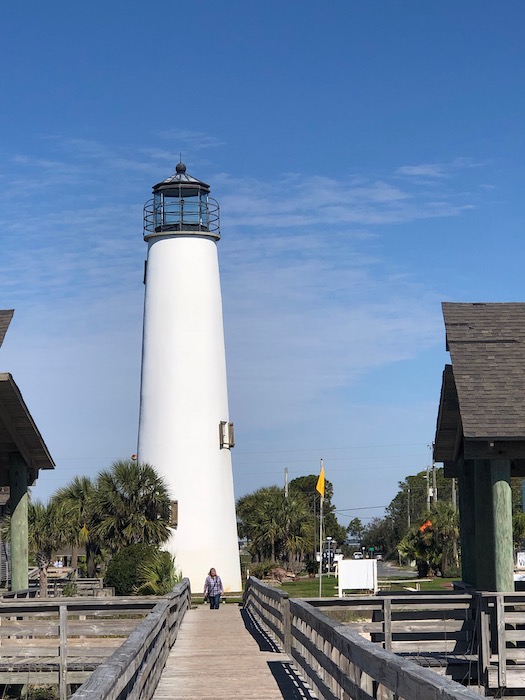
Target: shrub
(262,569)
(157,575)
(123,572)
(42,692)
(70,589)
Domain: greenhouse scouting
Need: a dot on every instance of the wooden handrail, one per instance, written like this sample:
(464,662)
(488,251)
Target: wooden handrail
(146,647)
(336,660)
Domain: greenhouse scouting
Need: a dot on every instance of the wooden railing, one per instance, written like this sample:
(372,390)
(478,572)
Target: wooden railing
(502,621)
(337,661)
(134,669)
(109,644)
(437,630)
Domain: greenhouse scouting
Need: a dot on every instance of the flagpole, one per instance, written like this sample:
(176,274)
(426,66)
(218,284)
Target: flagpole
(320,488)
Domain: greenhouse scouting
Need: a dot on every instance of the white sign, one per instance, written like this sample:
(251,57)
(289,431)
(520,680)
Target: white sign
(357,575)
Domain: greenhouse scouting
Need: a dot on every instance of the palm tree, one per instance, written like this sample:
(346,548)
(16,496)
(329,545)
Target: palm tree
(76,500)
(258,516)
(297,527)
(131,504)
(278,527)
(445,524)
(431,542)
(157,574)
(46,525)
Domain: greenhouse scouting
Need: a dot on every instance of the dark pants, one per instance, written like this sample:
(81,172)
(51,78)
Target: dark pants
(215,601)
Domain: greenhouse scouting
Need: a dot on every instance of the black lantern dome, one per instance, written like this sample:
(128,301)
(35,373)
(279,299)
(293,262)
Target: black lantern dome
(181,205)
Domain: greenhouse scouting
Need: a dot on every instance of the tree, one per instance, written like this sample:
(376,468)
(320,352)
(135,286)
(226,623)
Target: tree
(518,529)
(76,500)
(131,505)
(409,506)
(380,534)
(277,527)
(411,502)
(431,540)
(356,529)
(122,572)
(307,486)
(297,529)
(257,521)
(46,533)
(445,525)
(156,575)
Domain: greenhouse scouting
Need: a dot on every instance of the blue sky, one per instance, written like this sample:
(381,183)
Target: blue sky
(368,158)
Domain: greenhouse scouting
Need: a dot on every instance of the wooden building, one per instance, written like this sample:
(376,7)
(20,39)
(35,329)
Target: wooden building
(480,434)
(22,454)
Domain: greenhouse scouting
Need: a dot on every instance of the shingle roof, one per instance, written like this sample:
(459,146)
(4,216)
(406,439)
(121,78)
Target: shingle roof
(18,432)
(449,431)
(487,348)
(5,320)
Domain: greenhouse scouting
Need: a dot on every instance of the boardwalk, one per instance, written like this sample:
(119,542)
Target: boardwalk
(222,654)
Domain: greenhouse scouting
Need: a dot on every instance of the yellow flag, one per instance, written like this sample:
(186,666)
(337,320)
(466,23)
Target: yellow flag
(320,483)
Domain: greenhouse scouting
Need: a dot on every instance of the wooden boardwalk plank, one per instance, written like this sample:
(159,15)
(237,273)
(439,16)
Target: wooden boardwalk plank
(217,657)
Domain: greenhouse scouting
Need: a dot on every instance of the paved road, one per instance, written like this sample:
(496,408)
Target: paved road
(387,570)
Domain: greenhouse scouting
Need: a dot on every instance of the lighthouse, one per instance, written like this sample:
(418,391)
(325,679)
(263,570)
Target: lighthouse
(184,426)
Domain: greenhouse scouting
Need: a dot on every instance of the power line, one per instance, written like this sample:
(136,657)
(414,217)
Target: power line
(344,510)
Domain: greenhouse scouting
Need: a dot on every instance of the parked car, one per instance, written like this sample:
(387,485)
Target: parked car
(358,555)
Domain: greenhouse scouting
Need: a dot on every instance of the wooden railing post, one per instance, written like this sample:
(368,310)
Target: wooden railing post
(484,642)
(287,624)
(502,642)
(62,673)
(387,623)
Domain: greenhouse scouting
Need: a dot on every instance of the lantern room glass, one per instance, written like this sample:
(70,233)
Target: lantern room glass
(181,208)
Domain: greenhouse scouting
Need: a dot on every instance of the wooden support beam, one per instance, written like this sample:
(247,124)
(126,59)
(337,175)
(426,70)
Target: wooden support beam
(18,501)
(502,525)
(467,520)
(485,569)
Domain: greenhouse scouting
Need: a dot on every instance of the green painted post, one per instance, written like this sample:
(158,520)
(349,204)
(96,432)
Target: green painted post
(18,500)
(502,524)
(485,569)
(467,520)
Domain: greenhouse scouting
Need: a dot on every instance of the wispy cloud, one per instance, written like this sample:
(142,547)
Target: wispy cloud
(311,305)
(425,170)
(194,140)
(306,202)
(438,170)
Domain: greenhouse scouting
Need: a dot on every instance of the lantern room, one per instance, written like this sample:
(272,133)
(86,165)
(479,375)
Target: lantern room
(181,205)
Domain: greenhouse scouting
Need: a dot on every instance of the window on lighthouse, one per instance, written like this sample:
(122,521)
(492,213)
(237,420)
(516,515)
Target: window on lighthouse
(189,203)
(203,210)
(181,208)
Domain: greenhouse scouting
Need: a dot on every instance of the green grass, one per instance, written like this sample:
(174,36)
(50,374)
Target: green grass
(309,587)
(438,584)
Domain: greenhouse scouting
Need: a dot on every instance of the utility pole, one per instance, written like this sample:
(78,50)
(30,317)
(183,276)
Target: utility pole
(408,507)
(434,483)
(321,493)
(428,489)
(286,482)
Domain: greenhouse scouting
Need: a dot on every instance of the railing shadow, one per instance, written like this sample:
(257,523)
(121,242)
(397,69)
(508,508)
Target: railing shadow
(261,636)
(290,684)
(292,687)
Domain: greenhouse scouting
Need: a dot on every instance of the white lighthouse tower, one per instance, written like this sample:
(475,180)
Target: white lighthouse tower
(184,428)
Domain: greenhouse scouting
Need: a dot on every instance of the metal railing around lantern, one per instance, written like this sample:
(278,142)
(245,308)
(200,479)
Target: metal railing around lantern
(182,215)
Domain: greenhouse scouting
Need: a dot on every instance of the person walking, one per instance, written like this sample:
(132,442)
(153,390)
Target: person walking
(213,589)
